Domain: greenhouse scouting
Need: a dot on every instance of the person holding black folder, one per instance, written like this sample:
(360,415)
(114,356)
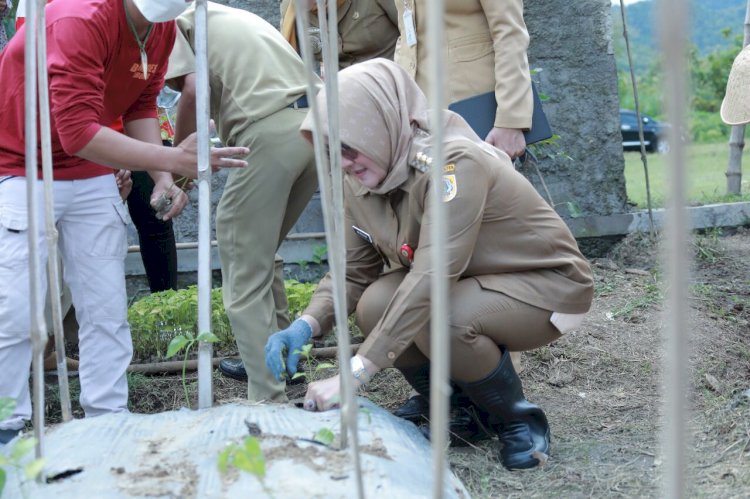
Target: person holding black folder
(486,45)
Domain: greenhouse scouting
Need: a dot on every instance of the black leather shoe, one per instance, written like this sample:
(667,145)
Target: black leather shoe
(8,435)
(416,409)
(233,368)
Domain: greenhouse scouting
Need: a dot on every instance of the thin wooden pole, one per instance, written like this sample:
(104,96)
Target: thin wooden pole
(673,22)
(439,345)
(737,135)
(205,349)
(53,261)
(38,336)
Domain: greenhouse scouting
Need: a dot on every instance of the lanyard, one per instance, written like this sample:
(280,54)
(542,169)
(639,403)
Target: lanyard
(141,44)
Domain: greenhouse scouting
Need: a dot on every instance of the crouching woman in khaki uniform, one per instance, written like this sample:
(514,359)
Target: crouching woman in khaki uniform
(517,278)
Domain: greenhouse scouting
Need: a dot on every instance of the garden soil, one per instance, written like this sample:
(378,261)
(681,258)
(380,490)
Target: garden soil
(601,385)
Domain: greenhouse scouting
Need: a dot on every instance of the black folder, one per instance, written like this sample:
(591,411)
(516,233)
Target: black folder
(479,112)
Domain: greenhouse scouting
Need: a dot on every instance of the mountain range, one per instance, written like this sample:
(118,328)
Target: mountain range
(708,19)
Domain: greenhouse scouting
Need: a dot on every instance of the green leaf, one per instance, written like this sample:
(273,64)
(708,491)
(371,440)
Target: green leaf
(22,447)
(252,447)
(208,337)
(33,469)
(573,209)
(324,365)
(3,478)
(366,412)
(7,406)
(325,436)
(177,344)
(223,459)
(298,375)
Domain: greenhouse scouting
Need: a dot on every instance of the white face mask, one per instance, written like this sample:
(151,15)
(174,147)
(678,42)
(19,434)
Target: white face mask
(159,11)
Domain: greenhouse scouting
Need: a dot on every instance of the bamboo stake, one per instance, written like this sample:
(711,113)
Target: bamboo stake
(38,336)
(335,224)
(649,206)
(439,346)
(53,262)
(205,349)
(673,21)
(737,135)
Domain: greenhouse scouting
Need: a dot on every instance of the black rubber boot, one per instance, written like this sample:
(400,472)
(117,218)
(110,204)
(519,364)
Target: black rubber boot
(520,425)
(467,421)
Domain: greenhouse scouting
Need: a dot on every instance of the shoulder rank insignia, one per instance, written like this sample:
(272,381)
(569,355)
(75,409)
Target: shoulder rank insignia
(421,162)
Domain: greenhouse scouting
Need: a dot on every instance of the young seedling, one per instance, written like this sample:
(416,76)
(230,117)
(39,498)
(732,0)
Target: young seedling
(246,456)
(186,342)
(16,457)
(310,370)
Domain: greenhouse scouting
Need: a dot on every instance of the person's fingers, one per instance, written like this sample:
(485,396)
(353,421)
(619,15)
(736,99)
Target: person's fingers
(292,361)
(273,359)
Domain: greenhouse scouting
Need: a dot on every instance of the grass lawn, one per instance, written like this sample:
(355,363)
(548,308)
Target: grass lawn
(707,183)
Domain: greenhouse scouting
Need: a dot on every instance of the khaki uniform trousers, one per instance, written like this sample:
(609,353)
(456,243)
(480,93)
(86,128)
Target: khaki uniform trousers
(479,321)
(259,206)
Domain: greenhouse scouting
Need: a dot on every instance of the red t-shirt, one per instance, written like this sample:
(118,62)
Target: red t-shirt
(95,76)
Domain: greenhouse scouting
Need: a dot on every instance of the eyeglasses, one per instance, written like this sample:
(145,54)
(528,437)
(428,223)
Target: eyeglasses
(346,152)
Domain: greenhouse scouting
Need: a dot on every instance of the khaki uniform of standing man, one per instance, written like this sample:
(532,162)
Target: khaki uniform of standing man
(367,29)
(258,99)
(486,44)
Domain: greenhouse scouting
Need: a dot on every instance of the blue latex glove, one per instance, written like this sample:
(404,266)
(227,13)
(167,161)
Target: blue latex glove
(292,339)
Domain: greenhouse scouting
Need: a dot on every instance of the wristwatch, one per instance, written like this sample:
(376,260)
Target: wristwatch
(358,371)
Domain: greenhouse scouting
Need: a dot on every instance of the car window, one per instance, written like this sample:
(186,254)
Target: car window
(628,119)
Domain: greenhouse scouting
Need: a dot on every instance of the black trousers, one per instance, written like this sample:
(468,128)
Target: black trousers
(156,237)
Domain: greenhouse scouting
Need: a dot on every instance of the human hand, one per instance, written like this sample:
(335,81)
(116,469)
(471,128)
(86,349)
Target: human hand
(323,395)
(167,199)
(509,140)
(123,179)
(220,157)
(292,339)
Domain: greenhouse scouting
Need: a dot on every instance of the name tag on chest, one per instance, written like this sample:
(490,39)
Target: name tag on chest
(364,235)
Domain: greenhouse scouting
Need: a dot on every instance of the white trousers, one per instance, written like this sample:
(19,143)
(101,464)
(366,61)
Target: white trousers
(91,220)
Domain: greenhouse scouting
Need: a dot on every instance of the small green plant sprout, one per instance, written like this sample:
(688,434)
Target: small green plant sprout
(246,456)
(320,253)
(186,342)
(310,369)
(17,456)
(324,436)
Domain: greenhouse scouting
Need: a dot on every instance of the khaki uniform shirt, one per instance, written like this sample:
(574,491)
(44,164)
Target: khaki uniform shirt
(486,44)
(499,231)
(253,71)
(367,29)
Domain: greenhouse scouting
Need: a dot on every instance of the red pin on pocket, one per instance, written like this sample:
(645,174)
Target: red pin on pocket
(407,252)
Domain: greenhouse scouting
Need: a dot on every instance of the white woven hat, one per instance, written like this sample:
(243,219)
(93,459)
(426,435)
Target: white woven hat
(735,108)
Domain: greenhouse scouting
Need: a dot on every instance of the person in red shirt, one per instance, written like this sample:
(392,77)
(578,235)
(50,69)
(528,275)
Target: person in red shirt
(155,236)
(106,59)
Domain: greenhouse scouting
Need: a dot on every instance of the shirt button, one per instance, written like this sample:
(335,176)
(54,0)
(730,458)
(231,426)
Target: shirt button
(391,356)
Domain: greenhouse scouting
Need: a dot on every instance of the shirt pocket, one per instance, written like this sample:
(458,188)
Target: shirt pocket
(470,48)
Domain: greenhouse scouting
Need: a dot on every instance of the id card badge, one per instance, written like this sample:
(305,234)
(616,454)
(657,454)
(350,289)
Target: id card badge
(411,32)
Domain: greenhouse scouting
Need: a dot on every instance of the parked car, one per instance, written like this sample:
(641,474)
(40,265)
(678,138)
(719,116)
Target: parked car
(654,132)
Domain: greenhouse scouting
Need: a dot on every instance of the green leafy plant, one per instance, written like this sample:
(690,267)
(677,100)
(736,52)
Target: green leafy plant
(312,367)
(186,342)
(16,458)
(159,317)
(325,436)
(246,456)
(298,295)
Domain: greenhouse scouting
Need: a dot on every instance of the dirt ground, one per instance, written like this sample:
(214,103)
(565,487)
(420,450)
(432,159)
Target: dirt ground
(600,386)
